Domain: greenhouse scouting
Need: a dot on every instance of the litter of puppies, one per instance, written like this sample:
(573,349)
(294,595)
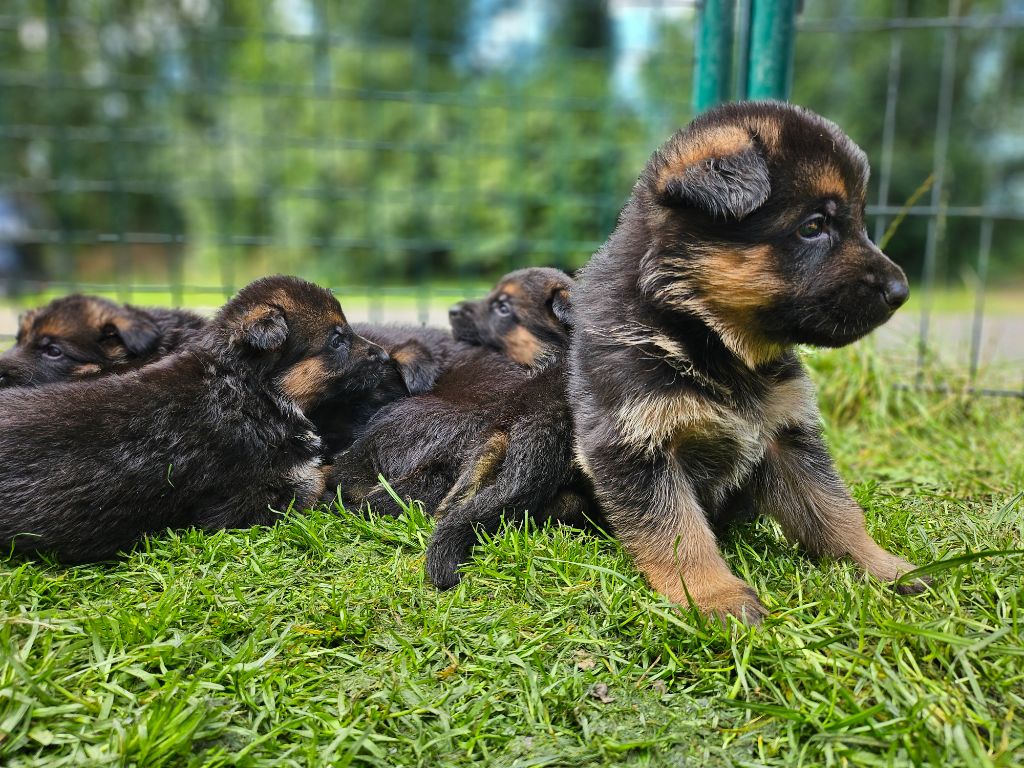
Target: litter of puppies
(655,396)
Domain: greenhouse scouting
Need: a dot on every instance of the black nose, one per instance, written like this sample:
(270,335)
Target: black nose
(456,310)
(379,354)
(896,292)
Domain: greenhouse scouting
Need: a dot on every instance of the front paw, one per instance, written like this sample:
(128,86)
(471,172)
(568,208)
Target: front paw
(715,594)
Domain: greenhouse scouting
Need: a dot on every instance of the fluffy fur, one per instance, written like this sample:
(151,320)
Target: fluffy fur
(83,336)
(743,237)
(493,439)
(213,436)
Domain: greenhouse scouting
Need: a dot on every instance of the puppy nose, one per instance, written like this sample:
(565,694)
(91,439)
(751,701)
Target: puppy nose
(379,354)
(895,292)
(456,310)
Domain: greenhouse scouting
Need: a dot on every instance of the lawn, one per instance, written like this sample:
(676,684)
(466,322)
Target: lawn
(318,642)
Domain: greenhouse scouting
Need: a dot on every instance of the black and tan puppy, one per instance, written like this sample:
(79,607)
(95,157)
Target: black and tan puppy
(80,336)
(524,317)
(744,236)
(213,436)
(493,435)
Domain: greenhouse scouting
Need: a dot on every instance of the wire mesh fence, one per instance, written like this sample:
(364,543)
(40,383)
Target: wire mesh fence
(408,153)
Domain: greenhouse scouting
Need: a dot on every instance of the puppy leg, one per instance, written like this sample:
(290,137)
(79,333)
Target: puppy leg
(653,511)
(798,485)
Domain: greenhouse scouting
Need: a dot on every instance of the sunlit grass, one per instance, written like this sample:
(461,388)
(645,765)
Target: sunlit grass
(318,641)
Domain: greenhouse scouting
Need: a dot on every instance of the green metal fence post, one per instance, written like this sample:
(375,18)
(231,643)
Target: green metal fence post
(772,31)
(712,77)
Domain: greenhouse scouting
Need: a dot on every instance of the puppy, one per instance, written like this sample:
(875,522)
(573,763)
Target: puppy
(494,434)
(82,336)
(744,236)
(213,436)
(525,317)
(412,370)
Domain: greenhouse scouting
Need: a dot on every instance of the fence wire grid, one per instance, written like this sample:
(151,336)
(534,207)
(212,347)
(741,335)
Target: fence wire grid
(408,153)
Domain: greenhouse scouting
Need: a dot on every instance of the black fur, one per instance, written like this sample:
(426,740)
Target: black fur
(82,336)
(213,436)
(493,439)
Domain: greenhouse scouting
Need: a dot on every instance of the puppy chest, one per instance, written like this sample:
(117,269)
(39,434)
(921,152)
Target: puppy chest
(711,443)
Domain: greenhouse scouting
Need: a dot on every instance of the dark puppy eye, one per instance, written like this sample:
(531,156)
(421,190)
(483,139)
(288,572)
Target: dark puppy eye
(53,352)
(813,228)
(338,340)
(502,309)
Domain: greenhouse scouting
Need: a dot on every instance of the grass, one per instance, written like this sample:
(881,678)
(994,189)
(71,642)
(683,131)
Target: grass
(317,642)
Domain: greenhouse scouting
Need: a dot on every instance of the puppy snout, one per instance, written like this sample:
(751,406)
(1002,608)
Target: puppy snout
(895,292)
(456,310)
(378,354)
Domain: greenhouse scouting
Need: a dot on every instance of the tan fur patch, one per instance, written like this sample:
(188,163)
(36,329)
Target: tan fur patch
(511,289)
(681,560)
(736,283)
(480,474)
(654,422)
(827,181)
(87,370)
(790,404)
(305,382)
(720,141)
(522,346)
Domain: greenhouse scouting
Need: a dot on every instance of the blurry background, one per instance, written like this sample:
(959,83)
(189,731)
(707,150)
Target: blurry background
(409,152)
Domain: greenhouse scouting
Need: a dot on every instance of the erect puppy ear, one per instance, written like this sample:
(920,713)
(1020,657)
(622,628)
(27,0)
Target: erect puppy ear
(134,328)
(560,305)
(262,327)
(417,366)
(723,174)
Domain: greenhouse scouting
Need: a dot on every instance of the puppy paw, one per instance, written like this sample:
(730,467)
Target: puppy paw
(718,595)
(913,586)
(886,566)
(741,603)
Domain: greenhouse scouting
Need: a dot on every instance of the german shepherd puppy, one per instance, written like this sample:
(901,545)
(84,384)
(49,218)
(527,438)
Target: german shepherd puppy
(81,336)
(744,236)
(416,359)
(213,436)
(494,434)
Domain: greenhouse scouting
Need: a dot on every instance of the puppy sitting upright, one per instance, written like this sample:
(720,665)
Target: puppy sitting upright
(744,236)
(79,336)
(214,436)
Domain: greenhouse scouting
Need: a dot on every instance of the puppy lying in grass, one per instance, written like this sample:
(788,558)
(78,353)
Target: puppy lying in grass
(81,336)
(214,436)
(744,236)
(494,434)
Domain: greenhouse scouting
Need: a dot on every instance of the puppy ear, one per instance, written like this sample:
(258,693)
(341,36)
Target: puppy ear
(724,179)
(262,328)
(134,328)
(25,324)
(561,306)
(417,366)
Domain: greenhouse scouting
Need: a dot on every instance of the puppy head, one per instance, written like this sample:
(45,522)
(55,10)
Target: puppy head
(757,218)
(296,334)
(77,336)
(526,316)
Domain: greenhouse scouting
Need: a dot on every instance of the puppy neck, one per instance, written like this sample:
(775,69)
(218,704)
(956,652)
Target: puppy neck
(671,283)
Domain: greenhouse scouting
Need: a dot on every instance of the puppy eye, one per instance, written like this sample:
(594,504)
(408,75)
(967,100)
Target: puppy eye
(338,340)
(53,352)
(502,309)
(813,228)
